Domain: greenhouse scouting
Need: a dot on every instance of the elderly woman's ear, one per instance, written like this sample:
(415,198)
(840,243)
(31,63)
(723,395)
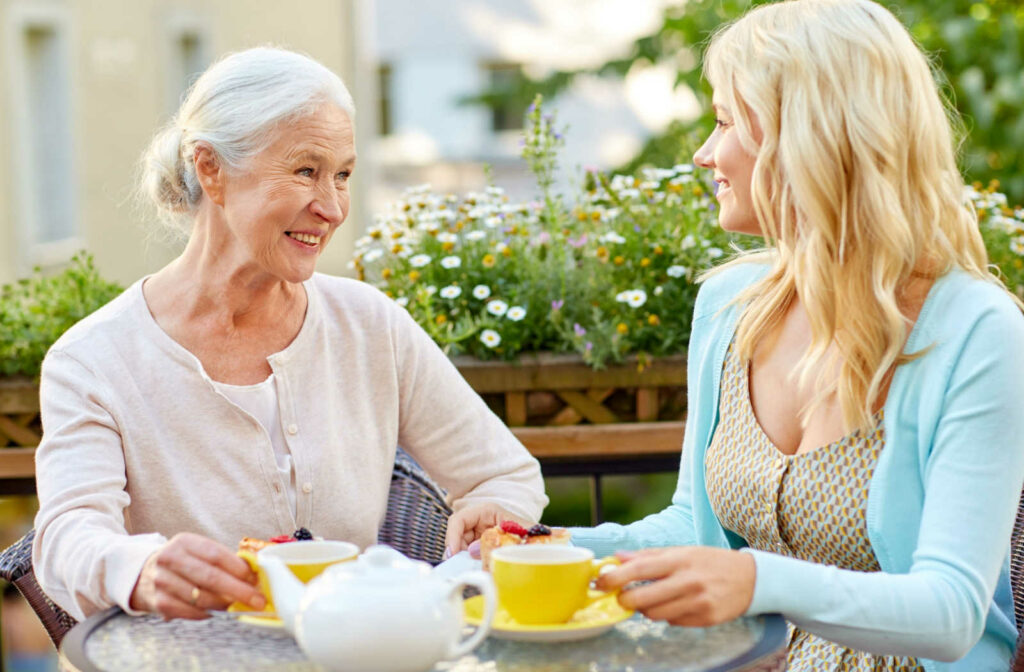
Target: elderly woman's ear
(210,173)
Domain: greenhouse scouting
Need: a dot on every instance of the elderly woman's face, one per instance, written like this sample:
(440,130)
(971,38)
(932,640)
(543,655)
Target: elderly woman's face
(733,168)
(285,208)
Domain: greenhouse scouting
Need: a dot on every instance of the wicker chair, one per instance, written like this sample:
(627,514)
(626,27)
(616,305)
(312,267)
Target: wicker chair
(415,523)
(1017,582)
(417,514)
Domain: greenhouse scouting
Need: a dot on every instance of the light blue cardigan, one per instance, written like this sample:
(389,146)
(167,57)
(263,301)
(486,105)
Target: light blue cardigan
(941,503)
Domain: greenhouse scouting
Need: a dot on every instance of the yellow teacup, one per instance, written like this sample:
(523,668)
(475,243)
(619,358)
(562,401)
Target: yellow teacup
(306,559)
(545,584)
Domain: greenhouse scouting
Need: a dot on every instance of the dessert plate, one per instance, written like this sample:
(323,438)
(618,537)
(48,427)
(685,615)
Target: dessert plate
(595,619)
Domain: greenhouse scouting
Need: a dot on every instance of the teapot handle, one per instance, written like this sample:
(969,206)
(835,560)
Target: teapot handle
(481,581)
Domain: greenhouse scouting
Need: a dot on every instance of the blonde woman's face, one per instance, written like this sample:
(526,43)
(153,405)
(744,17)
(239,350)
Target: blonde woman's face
(733,167)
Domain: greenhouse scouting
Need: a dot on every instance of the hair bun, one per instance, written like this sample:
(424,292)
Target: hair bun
(167,179)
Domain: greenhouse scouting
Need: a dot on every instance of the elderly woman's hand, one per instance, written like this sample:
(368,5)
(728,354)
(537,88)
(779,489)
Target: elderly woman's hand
(191,574)
(466,525)
(693,586)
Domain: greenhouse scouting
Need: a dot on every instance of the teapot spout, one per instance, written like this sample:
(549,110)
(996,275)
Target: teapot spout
(285,588)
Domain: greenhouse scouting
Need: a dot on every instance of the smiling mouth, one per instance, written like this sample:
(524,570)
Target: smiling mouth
(304,238)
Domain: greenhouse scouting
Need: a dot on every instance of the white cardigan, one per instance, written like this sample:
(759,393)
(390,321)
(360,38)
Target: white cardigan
(138,445)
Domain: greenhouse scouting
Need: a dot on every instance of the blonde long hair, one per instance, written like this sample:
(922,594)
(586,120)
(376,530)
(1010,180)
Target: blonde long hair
(855,184)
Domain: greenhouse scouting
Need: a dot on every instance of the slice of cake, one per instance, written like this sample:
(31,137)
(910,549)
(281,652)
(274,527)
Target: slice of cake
(510,533)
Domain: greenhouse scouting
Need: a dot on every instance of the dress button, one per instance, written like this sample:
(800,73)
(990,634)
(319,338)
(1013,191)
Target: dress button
(307,488)
(293,428)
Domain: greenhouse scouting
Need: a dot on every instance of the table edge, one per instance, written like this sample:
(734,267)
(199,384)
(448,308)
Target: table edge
(71,652)
(74,659)
(772,639)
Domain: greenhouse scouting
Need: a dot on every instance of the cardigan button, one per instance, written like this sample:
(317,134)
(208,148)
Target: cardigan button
(293,428)
(307,488)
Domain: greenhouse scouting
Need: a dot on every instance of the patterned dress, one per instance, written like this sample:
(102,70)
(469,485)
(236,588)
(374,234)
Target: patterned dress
(810,506)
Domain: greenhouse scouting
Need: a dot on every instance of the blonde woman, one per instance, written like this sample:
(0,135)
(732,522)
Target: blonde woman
(854,449)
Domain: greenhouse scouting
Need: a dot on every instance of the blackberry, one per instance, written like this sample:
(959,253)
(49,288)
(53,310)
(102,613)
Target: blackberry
(302,534)
(539,530)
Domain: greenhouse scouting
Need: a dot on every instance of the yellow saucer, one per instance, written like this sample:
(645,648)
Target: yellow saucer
(262,621)
(253,617)
(593,620)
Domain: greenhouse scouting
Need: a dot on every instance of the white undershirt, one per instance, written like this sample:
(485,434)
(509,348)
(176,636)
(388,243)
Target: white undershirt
(260,401)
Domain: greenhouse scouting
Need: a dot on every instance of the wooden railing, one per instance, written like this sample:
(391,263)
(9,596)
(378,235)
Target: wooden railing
(574,419)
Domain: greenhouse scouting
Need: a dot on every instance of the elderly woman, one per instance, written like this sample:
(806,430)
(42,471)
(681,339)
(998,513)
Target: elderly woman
(854,448)
(236,392)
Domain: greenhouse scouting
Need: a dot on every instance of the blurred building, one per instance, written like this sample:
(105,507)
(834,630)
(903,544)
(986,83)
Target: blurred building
(84,84)
(433,55)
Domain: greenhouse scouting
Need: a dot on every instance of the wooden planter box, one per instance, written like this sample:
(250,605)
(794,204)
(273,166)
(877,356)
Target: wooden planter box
(567,414)
(564,411)
(19,427)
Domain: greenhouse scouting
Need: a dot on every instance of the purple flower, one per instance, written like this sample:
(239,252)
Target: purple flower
(589,346)
(636,227)
(580,331)
(557,304)
(543,237)
(578,242)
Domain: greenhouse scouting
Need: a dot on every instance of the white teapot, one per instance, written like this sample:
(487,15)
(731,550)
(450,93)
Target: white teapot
(379,613)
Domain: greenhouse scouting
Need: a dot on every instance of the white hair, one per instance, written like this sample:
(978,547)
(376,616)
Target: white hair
(234,108)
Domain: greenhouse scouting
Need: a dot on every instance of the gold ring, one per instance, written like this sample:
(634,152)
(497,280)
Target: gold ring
(194,596)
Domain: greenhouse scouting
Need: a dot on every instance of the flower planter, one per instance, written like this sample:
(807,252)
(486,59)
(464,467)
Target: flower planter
(20,428)
(573,418)
(567,413)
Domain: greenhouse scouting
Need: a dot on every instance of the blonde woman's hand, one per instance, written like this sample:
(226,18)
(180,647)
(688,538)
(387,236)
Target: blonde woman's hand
(693,586)
(191,574)
(468,524)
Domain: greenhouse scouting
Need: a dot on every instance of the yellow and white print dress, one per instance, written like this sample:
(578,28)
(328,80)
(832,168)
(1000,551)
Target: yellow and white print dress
(810,506)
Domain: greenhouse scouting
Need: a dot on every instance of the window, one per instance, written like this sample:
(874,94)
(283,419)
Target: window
(189,56)
(384,81)
(43,166)
(503,79)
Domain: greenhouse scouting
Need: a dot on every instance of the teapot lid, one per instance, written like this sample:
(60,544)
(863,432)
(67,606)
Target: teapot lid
(382,564)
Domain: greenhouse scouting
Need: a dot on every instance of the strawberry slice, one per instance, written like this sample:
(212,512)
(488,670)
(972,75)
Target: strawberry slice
(282,539)
(512,527)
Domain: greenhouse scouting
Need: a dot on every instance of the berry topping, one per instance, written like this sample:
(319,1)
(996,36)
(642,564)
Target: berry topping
(539,530)
(302,534)
(512,527)
(281,539)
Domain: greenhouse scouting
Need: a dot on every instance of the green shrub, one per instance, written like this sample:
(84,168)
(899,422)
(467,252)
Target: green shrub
(35,311)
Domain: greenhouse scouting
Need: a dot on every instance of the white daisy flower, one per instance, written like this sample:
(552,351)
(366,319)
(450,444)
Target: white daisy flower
(1017,245)
(658,290)
(430,290)
(403,301)
(715,252)
(447,237)
(451,292)
(475,235)
(451,262)
(677,271)
(372,256)
(516,313)
(419,261)
(492,222)
(481,292)
(490,338)
(637,298)
(688,242)
(497,307)
(622,297)
(612,237)
(501,247)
